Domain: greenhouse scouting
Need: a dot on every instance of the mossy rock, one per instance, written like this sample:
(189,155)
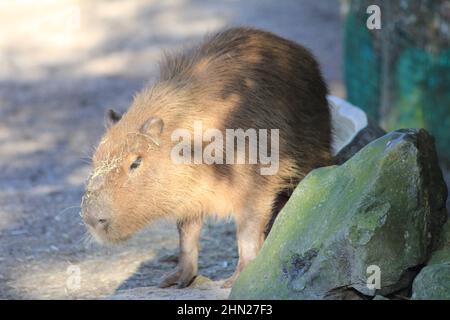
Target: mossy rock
(433,281)
(385,207)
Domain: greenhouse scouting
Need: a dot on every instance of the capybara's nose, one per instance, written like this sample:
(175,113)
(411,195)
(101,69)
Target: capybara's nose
(96,221)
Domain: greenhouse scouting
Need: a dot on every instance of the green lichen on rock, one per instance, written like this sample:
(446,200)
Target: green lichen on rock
(383,207)
(433,281)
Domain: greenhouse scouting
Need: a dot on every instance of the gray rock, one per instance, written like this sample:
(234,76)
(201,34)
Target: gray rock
(371,132)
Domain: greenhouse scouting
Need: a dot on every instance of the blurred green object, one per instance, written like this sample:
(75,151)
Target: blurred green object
(360,64)
(400,74)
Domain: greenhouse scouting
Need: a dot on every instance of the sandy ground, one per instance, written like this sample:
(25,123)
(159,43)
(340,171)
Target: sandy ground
(63,63)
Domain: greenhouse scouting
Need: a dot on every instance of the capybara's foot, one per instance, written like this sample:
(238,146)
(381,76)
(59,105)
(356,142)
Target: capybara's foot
(170,279)
(181,279)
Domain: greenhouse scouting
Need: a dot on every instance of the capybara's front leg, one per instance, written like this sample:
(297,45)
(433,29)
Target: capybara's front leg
(189,232)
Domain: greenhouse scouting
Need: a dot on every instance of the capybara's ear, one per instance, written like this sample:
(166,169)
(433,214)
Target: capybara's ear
(153,127)
(112,117)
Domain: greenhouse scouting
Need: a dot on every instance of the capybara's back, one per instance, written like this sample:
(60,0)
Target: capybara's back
(230,128)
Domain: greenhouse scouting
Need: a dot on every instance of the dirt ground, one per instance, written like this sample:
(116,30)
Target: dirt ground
(63,63)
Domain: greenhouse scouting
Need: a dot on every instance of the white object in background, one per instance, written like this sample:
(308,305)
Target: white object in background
(347,121)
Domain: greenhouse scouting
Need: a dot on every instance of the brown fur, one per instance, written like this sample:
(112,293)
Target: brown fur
(239,78)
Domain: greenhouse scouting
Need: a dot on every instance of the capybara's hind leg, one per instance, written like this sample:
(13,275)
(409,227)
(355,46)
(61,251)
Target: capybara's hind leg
(185,272)
(278,204)
(250,237)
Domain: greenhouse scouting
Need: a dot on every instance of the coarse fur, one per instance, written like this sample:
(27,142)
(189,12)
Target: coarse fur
(239,78)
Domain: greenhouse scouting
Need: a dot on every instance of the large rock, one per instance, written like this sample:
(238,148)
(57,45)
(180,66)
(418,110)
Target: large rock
(433,281)
(383,207)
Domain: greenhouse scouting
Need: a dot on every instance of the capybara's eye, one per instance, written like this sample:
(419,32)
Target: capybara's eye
(136,163)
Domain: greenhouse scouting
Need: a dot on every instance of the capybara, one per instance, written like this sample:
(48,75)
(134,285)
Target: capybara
(242,79)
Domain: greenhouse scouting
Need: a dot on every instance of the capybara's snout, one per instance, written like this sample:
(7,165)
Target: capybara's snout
(95,214)
(95,219)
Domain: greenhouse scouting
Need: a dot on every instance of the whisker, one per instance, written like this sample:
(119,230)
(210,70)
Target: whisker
(86,154)
(68,208)
(87,161)
(87,240)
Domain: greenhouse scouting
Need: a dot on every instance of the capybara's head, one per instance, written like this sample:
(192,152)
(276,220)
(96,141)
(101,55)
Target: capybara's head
(127,186)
